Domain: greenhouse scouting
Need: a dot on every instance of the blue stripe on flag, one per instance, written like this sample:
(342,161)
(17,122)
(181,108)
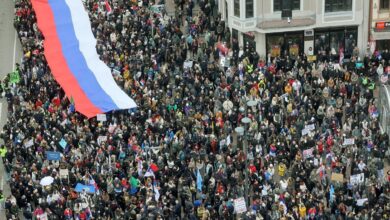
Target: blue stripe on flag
(75,59)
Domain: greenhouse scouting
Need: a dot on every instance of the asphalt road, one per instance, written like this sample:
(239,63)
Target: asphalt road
(10,53)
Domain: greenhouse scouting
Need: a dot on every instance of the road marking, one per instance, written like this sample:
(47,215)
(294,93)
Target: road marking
(13,60)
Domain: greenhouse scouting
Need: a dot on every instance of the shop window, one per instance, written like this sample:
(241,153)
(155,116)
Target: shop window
(288,44)
(381,45)
(287,4)
(332,42)
(384,5)
(236,8)
(338,5)
(249,9)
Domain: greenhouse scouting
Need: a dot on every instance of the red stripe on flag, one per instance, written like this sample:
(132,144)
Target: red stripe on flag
(57,62)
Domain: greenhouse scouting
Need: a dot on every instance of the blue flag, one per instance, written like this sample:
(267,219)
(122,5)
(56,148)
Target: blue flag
(199,181)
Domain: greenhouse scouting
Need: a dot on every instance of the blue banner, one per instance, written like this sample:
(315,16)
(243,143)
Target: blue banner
(52,155)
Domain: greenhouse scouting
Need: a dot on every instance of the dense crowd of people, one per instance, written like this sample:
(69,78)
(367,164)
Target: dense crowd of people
(314,146)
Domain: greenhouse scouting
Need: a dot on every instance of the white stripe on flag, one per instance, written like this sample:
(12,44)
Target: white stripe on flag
(87,44)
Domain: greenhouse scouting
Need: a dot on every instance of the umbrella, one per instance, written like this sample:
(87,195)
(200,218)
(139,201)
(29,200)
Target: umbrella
(227,105)
(46,181)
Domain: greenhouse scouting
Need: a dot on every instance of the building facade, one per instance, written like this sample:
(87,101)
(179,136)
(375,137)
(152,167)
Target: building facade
(380,24)
(314,26)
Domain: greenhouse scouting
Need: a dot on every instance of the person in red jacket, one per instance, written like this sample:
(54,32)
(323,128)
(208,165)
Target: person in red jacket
(68,213)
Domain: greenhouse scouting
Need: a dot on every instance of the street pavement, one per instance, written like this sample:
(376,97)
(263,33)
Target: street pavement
(10,53)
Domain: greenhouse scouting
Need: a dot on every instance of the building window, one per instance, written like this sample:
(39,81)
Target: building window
(236,8)
(287,4)
(329,43)
(249,8)
(384,5)
(338,5)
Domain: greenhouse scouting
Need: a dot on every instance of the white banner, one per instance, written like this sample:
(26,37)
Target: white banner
(101,117)
(240,205)
(357,179)
(349,141)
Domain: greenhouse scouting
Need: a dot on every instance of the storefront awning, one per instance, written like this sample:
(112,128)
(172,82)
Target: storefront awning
(385,35)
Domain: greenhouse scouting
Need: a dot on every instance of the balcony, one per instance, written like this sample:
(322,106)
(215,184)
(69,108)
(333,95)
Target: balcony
(274,23)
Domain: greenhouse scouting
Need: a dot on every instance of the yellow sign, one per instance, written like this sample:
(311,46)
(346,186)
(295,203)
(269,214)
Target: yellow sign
(311,58)
(294,50)
(275,51)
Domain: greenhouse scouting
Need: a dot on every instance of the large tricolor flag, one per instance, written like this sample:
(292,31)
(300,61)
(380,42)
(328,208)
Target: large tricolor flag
(70,50)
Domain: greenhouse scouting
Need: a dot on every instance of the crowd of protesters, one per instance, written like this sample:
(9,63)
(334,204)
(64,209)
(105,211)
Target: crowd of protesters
(178,155)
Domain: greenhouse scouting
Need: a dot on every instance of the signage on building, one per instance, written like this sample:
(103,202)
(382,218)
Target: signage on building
(382,25)
(309,33)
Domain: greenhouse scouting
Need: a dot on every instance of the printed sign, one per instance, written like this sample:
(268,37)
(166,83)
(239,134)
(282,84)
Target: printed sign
(188,64)
(101,117)
(337,177)
(240,205)
(310,127)
(305,132)
(308,153)
(101,139)
(360,202)
(52,155)
(349,141)
(29,143)
(357,179)
(311,58)
(64,173)
(63,143)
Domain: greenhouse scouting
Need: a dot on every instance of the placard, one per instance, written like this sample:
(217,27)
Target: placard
(357,179)
(305,131)
(349,141)
(360,202)
(64,173)
(101,139)
(101,117)
(310,127)
(337,177)
(53,155)
(29,143)
(63,143)
(308,153)
(240,205)
(188,64)
(311,58)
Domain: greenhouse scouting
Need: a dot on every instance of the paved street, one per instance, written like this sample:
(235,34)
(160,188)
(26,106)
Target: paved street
(10,52)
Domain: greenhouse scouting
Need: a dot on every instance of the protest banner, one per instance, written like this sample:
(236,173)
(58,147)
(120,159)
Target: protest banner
(308,153)
(337,177)
(101,139)
(188,64)
(240,205)
(29,143)
(310,127)
(349,141)
(53,155)
(101,117)
(357,179)
(63,143)
(64,173)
